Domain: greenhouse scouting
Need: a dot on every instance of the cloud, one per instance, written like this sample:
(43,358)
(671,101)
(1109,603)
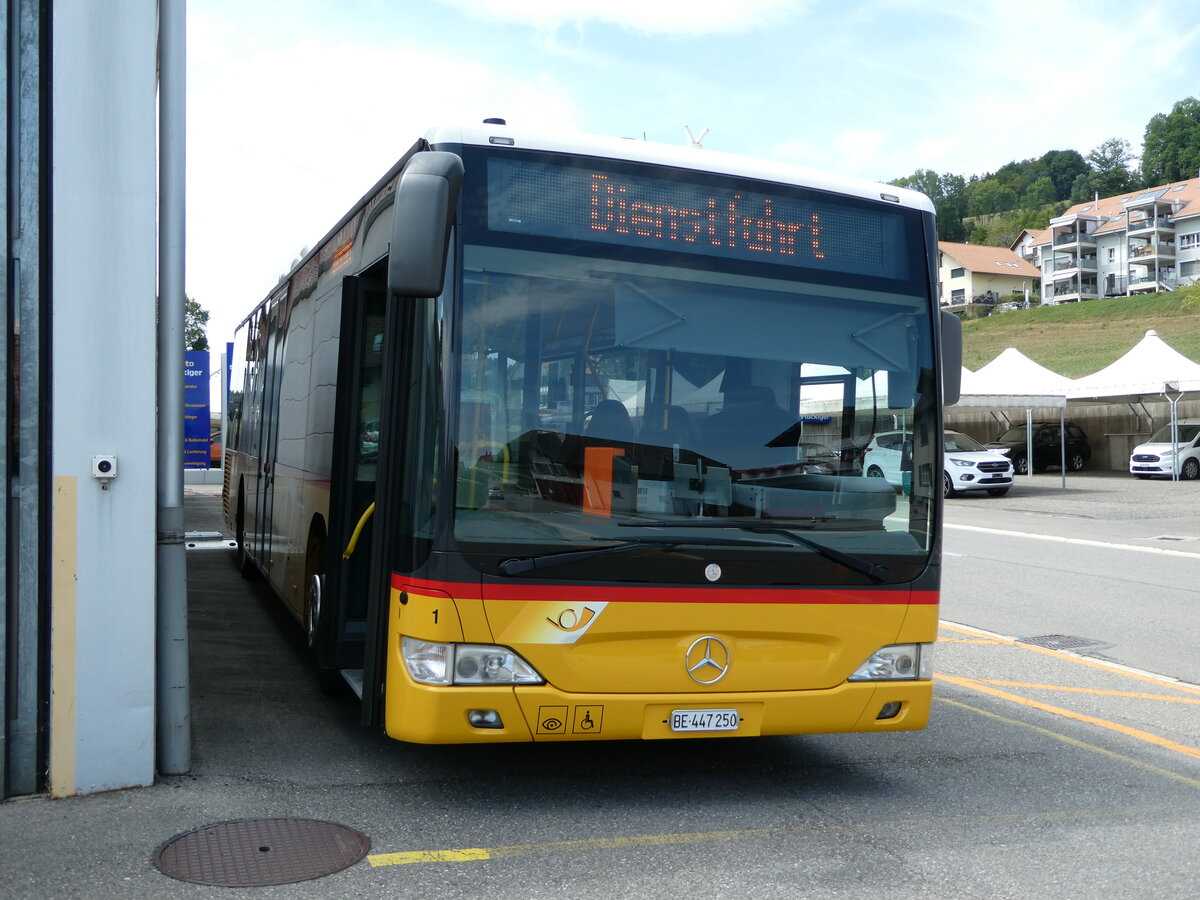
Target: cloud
(686,17)
(283,140)
(860,152)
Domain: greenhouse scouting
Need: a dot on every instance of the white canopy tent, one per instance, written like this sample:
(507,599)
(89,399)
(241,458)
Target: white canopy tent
(1142,372)
(1012,372)
(1151,369)
(1013,380)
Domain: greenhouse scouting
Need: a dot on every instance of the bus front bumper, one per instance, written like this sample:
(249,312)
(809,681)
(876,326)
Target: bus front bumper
(445,715)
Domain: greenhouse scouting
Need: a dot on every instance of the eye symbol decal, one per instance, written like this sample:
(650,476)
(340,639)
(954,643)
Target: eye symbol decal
(569,620)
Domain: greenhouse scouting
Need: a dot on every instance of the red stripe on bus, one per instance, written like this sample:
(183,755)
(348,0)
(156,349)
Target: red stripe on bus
(663,594)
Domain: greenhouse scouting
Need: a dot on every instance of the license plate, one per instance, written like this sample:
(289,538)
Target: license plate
(705,720)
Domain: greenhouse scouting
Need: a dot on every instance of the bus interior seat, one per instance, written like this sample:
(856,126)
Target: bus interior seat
(610,421)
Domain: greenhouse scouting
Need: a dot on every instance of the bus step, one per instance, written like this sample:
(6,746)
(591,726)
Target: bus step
(354,678)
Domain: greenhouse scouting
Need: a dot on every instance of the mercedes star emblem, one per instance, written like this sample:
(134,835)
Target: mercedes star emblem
(707,660)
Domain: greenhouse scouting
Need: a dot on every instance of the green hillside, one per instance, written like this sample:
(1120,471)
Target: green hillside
(1078,339)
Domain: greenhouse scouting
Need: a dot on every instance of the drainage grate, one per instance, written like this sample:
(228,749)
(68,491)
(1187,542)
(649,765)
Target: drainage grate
(257,852)
(1062,642)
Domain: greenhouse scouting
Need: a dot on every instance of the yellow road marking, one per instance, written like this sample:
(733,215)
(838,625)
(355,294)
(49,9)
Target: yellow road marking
(1081,690)
(1082,745)
(616,843)
(1146,736)
(991,641)
(1092,663)
(474,854)
(428,856)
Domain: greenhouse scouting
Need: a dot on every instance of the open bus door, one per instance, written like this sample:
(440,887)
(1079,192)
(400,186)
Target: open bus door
(384,428)
(345,569)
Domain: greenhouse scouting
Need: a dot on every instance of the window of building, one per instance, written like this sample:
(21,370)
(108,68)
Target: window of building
(1112,254)
(1189,241)
(958,273)
(958,295)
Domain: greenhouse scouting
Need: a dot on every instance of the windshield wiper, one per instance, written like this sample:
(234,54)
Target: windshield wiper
(875,572)
(550,560)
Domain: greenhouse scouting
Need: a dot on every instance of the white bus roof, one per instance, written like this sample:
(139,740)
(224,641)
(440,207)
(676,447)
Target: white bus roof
(486,135)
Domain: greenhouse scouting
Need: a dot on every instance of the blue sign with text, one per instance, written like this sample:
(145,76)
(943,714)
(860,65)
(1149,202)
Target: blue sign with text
(196,424)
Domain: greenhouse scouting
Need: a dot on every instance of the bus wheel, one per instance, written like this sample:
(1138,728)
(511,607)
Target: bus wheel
(312,609)
(245,563)
(329,679)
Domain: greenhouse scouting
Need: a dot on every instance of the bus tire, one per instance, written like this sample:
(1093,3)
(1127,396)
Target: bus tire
(329,679)
(244,562)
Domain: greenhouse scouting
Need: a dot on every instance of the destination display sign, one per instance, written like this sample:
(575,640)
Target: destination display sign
(713,219)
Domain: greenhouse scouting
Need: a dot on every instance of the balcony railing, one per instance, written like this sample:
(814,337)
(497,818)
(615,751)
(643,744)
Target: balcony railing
(1086,263)
(1070,289)
(1163,249)
(1074,237)
(1162,223)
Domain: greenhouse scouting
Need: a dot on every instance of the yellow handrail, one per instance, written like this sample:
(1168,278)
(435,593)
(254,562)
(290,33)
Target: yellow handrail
(362,522)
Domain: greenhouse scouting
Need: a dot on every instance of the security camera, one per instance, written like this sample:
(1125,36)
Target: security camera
(104,467)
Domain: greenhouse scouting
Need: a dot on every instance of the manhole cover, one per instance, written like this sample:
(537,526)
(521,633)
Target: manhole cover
(256,852)
(1062,642)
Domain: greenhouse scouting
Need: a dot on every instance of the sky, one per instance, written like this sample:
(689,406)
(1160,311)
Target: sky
(297,107)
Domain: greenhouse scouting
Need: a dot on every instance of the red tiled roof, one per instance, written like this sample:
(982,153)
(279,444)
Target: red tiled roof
(1184,194)
(993,260)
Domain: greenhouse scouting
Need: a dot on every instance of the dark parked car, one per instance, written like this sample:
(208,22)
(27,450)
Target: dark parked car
(1047,447)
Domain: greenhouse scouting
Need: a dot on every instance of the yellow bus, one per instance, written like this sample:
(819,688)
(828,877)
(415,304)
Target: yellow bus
(561,438)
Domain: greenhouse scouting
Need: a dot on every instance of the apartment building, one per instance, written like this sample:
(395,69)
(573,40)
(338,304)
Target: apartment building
(1138,242)
(1028,243)
(973,273)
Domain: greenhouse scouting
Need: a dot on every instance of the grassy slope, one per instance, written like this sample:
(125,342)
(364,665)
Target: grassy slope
(1081,338)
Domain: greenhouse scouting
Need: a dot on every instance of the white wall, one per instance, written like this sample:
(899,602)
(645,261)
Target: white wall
(103,288)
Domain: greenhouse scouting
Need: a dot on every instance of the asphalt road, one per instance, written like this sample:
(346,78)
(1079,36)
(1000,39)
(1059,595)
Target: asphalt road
(1111,560)
(1041,774)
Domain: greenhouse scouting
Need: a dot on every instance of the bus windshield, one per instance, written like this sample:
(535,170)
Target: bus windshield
(653,404)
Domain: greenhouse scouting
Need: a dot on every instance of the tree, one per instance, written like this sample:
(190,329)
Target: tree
(1110,167)
(990,196)
(195,325)
(949,199)
(1040,193)
(1063,167)
(1084,187)
(1171,146)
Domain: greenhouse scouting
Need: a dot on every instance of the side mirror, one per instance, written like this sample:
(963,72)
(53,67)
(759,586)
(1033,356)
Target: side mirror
(422,212)
(952,347)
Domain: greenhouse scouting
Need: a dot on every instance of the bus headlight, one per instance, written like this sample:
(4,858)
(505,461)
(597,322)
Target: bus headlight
(897,662)
(430,662)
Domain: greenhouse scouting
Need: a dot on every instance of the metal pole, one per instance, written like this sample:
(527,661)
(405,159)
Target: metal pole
(174,695)
(1029,442)
(1173,395)
(1062,443)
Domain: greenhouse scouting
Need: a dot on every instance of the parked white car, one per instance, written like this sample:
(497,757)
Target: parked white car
(1159,457)
(967,464)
